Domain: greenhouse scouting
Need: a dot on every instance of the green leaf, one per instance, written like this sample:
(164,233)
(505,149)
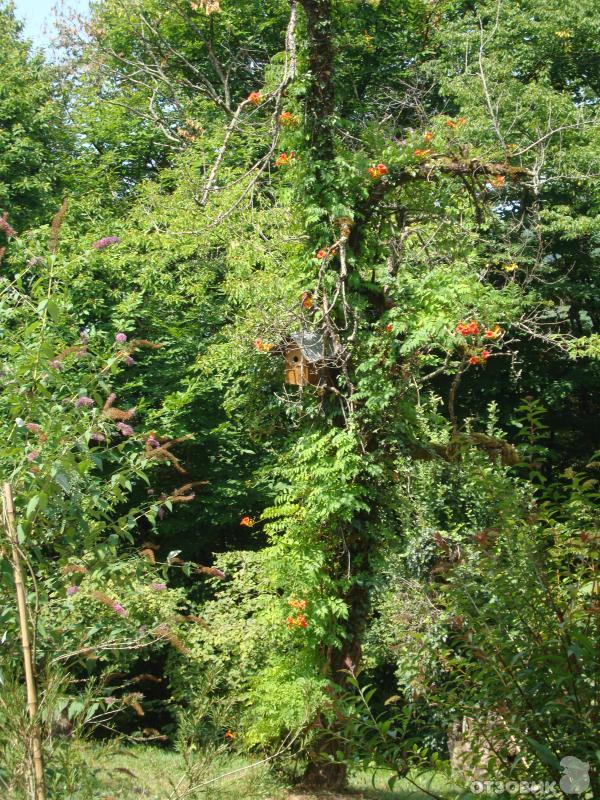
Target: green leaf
(32,506)
(62,480)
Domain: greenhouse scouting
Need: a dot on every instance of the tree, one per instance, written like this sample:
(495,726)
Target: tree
(33,137)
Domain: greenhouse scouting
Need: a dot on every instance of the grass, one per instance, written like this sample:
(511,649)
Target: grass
(436,783)
(147,773)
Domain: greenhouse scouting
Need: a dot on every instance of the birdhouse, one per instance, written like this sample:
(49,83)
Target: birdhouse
(305,359)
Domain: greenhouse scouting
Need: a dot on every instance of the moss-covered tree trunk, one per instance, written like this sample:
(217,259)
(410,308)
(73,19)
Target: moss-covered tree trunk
(353,569)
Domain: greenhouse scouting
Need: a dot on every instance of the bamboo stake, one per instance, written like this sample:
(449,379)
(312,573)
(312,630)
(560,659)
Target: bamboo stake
(32,704)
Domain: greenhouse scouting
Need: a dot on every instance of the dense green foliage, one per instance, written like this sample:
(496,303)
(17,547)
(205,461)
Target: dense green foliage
(33,135)
(345,573)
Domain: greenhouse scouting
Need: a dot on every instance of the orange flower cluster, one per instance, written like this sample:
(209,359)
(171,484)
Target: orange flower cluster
(262,347)
(481,358)
(378,171)
(493,333)
(288,120)
(423,153)
(299,621)
(473,329)
(498,181)
(428,136)
(247,522)
(209,6)
(321,254)
(299,604)
(255,98)
(468,329)
(283,160)
(185,134)
(450,123)
(307,300)
(230,735)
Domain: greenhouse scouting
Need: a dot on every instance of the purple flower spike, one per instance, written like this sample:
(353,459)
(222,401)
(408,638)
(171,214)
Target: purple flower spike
(97,437)
(33,455)
(71,590)
(107,241)
(162,510)
(129,361)
(124,429)
(158,587)
(121,338)
(84,401)
(118,608)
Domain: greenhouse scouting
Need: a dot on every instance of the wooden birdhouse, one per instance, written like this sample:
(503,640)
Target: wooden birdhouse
(305,359)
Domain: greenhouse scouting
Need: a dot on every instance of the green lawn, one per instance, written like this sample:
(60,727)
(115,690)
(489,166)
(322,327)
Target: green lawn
(435,783)
(147,773)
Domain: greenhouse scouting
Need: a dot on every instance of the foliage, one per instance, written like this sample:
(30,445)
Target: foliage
(502,630)
(74,462)
(66,723)
(413,185)
(33,129)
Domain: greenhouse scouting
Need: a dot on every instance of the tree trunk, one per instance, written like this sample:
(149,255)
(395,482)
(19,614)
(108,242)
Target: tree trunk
(324,774)
(321,90)
(322,770)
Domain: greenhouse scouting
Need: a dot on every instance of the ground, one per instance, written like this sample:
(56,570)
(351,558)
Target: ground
(146,773)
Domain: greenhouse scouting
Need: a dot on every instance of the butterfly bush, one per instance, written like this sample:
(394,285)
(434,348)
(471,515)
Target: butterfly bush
(73,474)
(106,241)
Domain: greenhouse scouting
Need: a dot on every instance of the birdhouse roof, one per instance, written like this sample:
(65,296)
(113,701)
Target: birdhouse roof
(311,345)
